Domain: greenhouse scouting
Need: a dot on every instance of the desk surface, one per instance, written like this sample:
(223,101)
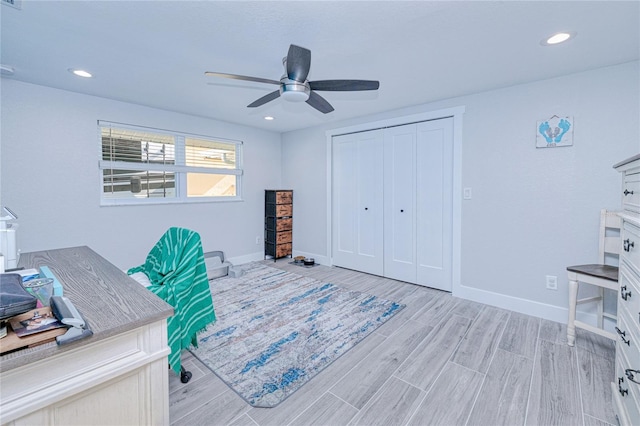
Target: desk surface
(110,301)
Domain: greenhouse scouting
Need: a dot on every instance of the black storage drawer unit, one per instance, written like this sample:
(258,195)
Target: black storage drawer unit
(278,223)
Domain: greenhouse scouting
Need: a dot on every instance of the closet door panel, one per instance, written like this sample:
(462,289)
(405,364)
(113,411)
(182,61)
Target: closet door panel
(434,177)
(399,200)
(357,202)
(369,198)
(344,202)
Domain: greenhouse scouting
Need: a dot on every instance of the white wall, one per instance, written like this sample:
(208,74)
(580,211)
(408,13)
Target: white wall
(49,176)
(534,211)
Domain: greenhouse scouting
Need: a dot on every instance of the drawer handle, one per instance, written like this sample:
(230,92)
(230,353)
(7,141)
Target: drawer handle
(628,244)
(629,372)
(627,192)
(366,208)
(623,392)
(624,293)
(622,334)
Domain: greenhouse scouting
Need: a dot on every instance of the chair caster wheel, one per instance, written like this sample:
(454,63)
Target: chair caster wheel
(185,376)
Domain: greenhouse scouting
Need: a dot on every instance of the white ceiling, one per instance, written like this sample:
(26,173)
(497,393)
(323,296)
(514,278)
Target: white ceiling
(155,53)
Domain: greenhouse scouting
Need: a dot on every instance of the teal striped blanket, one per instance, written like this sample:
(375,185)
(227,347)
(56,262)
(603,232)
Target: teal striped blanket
(175,266)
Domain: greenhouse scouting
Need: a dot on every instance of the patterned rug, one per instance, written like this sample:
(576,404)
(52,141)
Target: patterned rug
(276,330)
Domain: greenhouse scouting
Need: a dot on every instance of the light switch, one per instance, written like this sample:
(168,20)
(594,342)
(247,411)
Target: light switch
(466,193)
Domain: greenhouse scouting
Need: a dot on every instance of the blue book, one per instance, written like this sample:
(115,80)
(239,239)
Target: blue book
(45,272)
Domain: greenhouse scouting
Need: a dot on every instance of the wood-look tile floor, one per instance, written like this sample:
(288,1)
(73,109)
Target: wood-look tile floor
(440,361)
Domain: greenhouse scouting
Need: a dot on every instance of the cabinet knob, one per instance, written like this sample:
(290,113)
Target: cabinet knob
(366,208)
(627,192)
(623,392)
(622,334)
(630,375)
(401,211)
(627,245)
(624,293)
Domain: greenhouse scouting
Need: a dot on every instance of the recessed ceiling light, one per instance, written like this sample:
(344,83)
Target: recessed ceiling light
(80,73)
(557,38)
(269,118)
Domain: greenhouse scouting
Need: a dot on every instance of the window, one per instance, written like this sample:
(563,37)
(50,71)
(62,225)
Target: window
(141,165)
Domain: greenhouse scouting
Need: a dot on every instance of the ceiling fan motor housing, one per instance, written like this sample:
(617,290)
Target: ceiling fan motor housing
(294,91)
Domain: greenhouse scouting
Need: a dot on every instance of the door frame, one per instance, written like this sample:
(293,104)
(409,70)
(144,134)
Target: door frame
(457,114)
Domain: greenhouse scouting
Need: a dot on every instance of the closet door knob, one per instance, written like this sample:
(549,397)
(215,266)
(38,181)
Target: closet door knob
(627,192)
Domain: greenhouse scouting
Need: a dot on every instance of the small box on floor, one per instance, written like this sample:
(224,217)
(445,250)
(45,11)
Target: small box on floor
(236,272)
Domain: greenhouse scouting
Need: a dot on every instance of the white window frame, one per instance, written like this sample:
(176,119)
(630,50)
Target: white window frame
(180,170)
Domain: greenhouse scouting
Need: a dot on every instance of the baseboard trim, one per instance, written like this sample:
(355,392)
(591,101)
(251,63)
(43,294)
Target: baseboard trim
(253,257)
(525,306)
(517,304)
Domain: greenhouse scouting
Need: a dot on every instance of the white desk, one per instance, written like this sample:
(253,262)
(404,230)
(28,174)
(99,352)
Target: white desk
(117,376)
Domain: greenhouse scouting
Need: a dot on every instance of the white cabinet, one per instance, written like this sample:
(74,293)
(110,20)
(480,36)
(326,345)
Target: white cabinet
(118,376)
(408,171)
(122,380)
(626,384)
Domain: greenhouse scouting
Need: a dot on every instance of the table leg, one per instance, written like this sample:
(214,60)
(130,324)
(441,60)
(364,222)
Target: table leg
(573,299)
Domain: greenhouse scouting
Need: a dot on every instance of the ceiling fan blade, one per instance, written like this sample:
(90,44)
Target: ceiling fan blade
(344,85)
(319,103)
(241,77)
(266,98)
(298,63)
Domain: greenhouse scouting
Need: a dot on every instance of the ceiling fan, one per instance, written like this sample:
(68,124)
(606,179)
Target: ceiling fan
(294,85)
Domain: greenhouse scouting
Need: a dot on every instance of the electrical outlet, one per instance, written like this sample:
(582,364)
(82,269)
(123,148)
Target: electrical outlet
(552,282)
(258,239)
(466,193)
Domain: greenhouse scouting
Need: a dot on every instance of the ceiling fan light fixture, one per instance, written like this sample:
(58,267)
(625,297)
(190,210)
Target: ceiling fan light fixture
(294,91)
(294,86)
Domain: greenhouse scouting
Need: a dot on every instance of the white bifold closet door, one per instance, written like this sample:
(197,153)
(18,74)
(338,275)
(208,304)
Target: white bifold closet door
(357,202)
(418,185)
(392,202)
(400,203)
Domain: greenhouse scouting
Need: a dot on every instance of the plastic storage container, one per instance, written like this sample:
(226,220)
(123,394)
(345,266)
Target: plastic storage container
(216,266)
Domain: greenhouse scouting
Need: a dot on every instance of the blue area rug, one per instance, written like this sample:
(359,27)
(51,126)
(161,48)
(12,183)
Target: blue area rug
(276,330)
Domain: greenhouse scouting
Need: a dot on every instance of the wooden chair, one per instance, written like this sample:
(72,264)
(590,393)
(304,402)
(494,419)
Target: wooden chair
(601,275)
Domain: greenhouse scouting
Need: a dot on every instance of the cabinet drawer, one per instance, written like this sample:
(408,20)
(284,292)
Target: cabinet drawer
(276,224)
(279,197)
(279,210)
(627,393)
(631,246)
(278,250)
(284,197)
(283,237)
(284,210)
(279,237)
(283,250)
(628,340)
(631,191)
(284,224)
(629,295)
